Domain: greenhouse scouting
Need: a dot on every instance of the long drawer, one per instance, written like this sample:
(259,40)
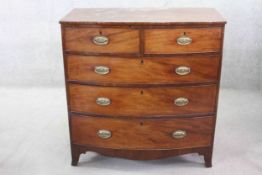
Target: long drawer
(150,101)
(142,134)
(125,71)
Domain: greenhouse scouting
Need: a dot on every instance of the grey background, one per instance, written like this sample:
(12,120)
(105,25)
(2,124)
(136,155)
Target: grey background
(30,42)
(34,133)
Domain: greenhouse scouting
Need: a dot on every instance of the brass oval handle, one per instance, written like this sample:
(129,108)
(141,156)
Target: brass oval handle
(103,101)
(104,134)
(183,70)
(179,134)
(184,40)
(100,40)
(181,101)
(102,70)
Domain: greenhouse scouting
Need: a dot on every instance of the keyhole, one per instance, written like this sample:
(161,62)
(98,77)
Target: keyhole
(142,61)
(100,32)
(184,33)
(141,123)
(141,92)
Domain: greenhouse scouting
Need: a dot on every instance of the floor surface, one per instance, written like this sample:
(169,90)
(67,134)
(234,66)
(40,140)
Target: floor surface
(34,139)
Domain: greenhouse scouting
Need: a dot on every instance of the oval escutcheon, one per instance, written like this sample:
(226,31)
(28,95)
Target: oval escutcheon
(102,70)
(181,101)
(103,101)
(183,70)
(104,134)
(179,134)
(100,40)
(184,40)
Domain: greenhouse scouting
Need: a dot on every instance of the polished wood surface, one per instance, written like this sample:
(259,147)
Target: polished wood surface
(164,41)
(135,71)
(139,102)
(120,40)
(142,55)
(143,16)
(142,134)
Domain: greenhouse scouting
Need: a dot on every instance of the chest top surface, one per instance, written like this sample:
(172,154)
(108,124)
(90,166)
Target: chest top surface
(144,16)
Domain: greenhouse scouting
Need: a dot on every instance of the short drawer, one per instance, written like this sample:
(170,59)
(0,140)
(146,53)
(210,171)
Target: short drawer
(184,40)
(101,40)
(150,101)
(142,134)
(125,71)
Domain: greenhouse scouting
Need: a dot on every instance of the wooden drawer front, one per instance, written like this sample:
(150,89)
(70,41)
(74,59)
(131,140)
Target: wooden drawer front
(141,101)
(142,134)
(164,41)
(150,71)
(119,40)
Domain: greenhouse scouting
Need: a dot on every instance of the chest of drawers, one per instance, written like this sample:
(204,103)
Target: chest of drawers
(142,83)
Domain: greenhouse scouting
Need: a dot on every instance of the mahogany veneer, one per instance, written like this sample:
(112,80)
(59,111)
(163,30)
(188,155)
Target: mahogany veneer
(158,41)
(138,102)
(145,134)
(142,83)
(204,69)
(121,40)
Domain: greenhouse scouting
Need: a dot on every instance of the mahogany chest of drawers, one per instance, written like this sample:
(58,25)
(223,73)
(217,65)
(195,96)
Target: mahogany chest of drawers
(142,83)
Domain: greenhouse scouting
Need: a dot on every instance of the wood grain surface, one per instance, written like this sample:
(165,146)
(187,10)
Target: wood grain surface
(139,102)
(120,40)
(144,16)
(142,134)
(139,71)
(164,41)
